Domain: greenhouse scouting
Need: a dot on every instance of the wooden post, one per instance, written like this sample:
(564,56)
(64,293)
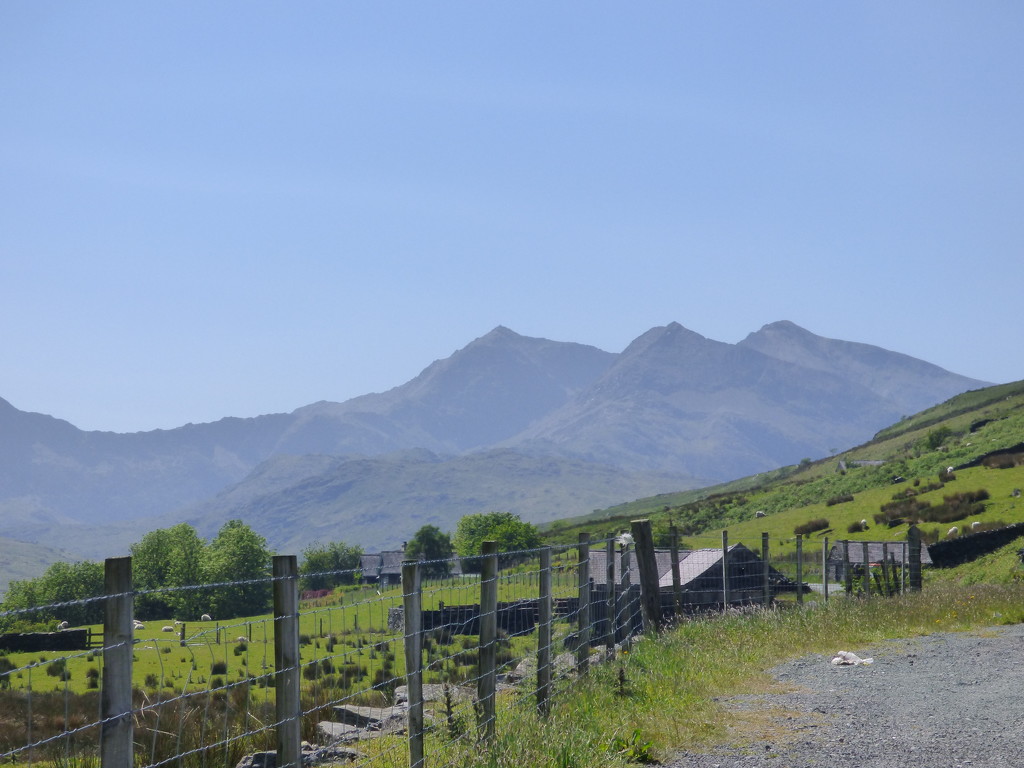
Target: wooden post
(905,552)
(799,568)
(650,596)
(766,599)
(824,565)
(287,679)
(848,575)
(625,608)
(117,731)
(677,581)
(583,614)
(488,637)
(609,580)
(914,558)
(544,634)
(886,580)
(725,570)
(412,603)
(867,569)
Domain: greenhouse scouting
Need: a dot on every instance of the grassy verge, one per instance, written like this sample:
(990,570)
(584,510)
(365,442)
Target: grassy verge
(664,694)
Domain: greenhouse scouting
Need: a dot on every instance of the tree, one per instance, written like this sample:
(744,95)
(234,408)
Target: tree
(511,533)
(238,554)
(151,567)
(325,566)
(73,583)
(171,560)
(434,546)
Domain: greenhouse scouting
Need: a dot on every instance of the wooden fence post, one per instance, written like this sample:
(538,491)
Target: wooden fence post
(914,558)
(650,596)
(544,634)
(905,555)
(287,678)
(824,565)
(767,597)
(799,568)
(677,582)
(624,612)
(886,580)
(583,614)
(609,580)
(117,731)
(867,569)
(488,637)
(413,609)
(848,574)
(725,570)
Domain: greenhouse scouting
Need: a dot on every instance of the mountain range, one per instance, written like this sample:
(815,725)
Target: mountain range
(541,428)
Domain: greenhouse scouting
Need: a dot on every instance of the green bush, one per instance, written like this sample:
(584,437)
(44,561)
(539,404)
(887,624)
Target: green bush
(817,524)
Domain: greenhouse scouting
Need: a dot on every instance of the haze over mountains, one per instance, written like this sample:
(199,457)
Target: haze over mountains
(541,428)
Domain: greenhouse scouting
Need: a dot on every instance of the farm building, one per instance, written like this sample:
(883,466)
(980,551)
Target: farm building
(895,551)
(700,575)
(383,568)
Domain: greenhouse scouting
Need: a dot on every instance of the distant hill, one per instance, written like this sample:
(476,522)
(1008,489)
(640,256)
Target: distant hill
(541,428)
(20,560)
(979,433)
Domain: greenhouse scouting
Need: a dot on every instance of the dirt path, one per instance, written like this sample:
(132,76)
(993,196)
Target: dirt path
(941,701)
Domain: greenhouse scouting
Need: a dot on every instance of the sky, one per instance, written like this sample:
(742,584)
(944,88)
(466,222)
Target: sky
(238,208)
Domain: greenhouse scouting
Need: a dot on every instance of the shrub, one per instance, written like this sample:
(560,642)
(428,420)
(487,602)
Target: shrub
(58,668)
(856,527)
(818,524)
(1004,461)
(6,667)
(839,499)
(219,668)
(152,681)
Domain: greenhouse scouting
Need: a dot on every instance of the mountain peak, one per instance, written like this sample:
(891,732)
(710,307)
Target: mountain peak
(787,327)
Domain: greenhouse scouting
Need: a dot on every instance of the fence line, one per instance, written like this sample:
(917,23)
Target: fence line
(386,676)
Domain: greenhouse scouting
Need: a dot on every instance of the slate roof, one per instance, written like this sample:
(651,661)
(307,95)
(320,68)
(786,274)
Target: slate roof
(599,565)
(693,563)
(875,551)
(377,564)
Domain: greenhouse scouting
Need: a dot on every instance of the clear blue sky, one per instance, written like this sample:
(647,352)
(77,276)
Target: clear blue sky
(236,208)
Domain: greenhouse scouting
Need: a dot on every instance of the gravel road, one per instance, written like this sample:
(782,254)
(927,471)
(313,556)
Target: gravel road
(941,701)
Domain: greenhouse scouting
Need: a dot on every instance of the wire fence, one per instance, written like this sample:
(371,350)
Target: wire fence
(382,674)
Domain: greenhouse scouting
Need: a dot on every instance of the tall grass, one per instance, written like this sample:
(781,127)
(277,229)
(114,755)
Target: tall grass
(664,694)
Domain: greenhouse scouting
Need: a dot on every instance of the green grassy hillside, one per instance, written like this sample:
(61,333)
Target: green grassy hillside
(852,486)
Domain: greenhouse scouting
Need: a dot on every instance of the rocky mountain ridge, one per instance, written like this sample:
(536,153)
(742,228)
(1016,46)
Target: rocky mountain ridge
(542,428)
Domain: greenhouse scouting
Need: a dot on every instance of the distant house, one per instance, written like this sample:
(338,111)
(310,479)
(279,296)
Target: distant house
(896,551)
(385,568)
(701,575)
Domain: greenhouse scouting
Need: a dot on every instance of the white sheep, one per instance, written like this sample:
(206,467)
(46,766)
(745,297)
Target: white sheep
(975,525)
(759,513)
(954,531)
(623,539)
(205,617)
(949,470)
(864,524)
(136,624)
(167,629)
(62,626)
(178,623)
(241,639)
